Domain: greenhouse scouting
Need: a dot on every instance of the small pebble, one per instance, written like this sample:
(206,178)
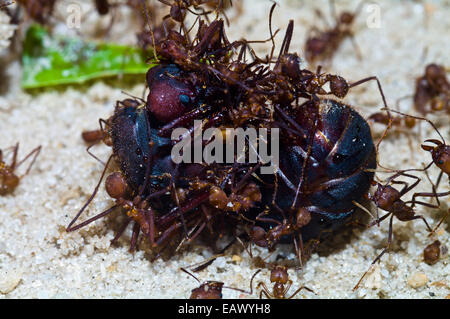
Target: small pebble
(417,280)
(9,281)
(236,259)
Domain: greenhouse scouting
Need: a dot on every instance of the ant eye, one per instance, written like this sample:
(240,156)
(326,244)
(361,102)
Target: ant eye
(184,99)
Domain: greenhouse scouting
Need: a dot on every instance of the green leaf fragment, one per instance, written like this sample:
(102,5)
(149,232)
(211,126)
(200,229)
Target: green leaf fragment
(49,61)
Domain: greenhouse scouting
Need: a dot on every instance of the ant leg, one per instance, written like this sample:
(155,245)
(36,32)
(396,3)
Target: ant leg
(374,78)
(422,119)
(440,222)
(247,249)
(120,232)
(286,289)
(355,45)
(379,256)
(268,220)
(92,154)
(150,219)
(90,220)
(434,194)
(36,152)
(417,217)
(134,236)
(91,197)
(199,230)
(378,220)
(264,290)
(299,289)
(167,233)
(14,159)
(251,281)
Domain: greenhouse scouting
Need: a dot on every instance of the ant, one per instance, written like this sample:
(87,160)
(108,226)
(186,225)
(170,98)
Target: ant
(38,10)
(280,277)
(434,88)
(440,155)
(210,289)
(270,238)
(389,199)
(324,44)
(8,179)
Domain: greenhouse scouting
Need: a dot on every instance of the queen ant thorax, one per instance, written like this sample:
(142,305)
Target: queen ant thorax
(9,180)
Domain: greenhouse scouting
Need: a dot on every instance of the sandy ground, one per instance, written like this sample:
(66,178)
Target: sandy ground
(38,259)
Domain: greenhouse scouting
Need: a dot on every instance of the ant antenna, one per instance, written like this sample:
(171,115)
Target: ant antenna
(418,118)
(272,9)
(147,16)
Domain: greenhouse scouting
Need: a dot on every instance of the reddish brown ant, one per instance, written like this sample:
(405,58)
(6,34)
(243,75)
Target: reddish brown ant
(38,10)
(324,44)
(432,88)
(440,154)
(8,179)
(389,199)
(210,289)
(280,277)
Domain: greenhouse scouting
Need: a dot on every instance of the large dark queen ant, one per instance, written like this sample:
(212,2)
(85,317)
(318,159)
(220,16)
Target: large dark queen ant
(327,152)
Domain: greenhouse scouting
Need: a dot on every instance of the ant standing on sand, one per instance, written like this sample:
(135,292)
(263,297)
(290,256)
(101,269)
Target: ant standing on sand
(433,88)
(280,277)
(324,44)
(8,179)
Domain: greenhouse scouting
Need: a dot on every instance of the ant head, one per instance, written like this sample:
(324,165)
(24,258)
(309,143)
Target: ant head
(440,154)
(257,235)
(279,275)
(116,185)
(290,65)
(433,72)
(338,86)
(385,195)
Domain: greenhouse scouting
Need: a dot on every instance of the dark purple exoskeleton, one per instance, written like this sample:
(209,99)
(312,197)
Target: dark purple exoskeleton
(131,136)
(334,177)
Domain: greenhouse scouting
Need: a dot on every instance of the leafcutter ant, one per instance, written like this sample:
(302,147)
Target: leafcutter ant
(8,178)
